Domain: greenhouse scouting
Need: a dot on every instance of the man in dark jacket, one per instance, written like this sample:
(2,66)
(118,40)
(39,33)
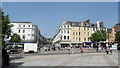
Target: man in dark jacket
(5,57)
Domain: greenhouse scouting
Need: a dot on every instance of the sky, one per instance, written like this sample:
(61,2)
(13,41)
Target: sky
(60,0)
(49,15)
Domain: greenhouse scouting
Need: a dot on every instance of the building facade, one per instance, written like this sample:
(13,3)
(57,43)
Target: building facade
(75,33)
(28,32)
(112,32)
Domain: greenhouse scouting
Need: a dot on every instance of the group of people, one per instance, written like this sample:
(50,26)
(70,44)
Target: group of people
(71,50)
(107,49)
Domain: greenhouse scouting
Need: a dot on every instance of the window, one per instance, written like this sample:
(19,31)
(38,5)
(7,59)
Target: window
(79,39)
(19,25)
(84,28)
(84,33)
(28,25)
(88,28)
(28,34)
(88,33)
(88,39)
(76,33)
(76,39)
(64,26)
(84,39)
(64,31)
(79,33)
(32,34)
(18,31)
(64,37)
(79,28)
(23,25)
(23,36)
(68,32)
(73,33)
(23,31)
(32,25)
(68,26)
(68,37)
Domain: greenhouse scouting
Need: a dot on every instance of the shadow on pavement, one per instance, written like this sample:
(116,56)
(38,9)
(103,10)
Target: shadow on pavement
(15,58)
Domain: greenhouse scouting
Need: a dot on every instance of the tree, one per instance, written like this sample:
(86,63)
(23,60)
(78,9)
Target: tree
(15,38)
(117,36)
(6,27)
(100,35)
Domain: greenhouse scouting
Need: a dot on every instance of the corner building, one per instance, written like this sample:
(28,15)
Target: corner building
(76,33)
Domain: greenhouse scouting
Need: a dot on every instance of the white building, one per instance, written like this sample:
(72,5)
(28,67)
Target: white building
(28,32)
(98,26)
(62,35)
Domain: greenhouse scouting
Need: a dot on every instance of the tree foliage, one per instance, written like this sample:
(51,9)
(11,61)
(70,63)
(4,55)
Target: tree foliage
(100,35)
(6,27)
(15,38)
(117,36)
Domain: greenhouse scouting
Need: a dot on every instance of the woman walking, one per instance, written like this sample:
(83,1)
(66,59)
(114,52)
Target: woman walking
(81,50)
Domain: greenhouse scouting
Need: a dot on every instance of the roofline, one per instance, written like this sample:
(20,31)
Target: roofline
(19,22)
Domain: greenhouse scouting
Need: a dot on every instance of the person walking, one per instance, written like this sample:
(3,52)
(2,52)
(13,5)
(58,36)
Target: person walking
(72,49)
(81,50)
(107,50)
(110,49)
(97,48)
(69,49)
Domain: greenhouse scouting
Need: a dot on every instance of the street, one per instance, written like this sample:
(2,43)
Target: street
(57,58)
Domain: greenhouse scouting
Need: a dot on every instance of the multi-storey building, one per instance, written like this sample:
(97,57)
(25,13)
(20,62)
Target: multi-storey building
(75,33)
(112,32)
(28,32)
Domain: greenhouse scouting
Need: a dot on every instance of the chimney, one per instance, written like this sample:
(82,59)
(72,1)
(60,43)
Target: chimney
(98,24)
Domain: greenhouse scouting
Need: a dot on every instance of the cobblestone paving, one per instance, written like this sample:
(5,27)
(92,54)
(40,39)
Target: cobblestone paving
(85,59)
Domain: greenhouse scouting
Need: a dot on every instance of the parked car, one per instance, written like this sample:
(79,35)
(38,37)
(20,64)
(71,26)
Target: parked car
(12,49)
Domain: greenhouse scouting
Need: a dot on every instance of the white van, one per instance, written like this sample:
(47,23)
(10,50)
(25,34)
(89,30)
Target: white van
(30,47)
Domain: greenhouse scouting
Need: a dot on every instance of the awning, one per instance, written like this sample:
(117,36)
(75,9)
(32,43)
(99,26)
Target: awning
(88,42)
(73,43)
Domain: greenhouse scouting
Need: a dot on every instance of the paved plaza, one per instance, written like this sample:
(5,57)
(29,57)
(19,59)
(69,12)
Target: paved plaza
(76,59)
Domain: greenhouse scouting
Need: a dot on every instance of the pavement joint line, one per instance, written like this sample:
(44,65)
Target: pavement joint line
(109,60)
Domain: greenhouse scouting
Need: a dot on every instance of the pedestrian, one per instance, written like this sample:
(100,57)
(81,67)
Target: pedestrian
(5,57)
(107,50)
(81,50)
(99,49)
(69,49)
(45,48)
(72,49)
(110,49)
(49,48)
